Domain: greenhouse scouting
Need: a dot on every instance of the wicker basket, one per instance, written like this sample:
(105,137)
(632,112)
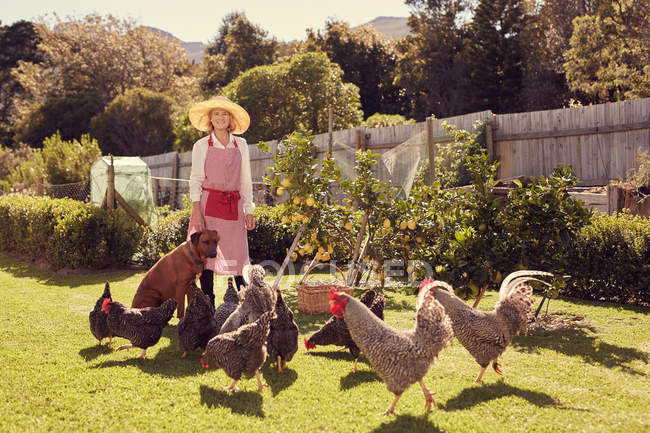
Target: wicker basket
(314,299)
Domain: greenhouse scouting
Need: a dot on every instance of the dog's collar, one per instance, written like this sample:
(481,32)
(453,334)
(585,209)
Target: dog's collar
(196,261)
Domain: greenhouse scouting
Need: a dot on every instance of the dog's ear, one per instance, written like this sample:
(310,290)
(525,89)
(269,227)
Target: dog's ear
(194,238)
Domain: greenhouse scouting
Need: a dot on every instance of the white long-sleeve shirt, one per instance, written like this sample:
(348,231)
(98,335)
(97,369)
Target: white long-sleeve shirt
(197,174)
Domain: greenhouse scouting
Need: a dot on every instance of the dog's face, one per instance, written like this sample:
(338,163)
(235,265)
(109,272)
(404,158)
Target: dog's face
(205,243)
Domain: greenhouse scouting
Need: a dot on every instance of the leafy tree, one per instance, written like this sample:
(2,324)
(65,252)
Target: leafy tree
(495,55)
(431,68)
(379,120)
(609,56)
(139,122)
(100,54)
(69,161)
(69,115)
(239,46)
(295,95)
(367,60)
(18,42)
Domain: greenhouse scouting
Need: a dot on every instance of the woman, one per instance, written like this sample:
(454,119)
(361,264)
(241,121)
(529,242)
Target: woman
(221,188)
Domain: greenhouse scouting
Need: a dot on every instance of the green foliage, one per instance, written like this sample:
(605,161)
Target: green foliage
(541,222)
(295,95)
(609,56)
(640,177)
(185,134)
(367,60)
(69,116)
(139,122)
(379,120)
(69,161)
(169,232)
(239,46)
(609,260)
(270,239)
(18,42)
(451,163)
(67,233)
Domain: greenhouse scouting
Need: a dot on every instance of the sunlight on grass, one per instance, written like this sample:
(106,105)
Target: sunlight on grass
(55,377)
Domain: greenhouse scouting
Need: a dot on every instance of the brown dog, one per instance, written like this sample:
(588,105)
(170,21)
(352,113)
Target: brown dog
(172,275)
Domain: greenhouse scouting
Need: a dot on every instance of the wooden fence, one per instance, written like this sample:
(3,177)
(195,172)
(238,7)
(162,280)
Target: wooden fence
(601,143)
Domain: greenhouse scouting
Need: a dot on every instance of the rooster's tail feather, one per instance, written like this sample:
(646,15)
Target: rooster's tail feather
(515,279)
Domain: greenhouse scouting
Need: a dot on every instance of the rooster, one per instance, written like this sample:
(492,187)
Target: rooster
(283,336)
(242,351)
(258,298)
(198,325)
(97,318)
(230,303)
(401,358)
(335,331)
(486,334)
(141,326)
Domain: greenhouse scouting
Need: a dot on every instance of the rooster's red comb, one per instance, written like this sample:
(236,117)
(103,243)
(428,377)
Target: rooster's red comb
(204,364)
(333,293)
(306,344)
(425,282)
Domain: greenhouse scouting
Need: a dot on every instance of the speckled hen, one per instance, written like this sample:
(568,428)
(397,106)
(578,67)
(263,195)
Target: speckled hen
(486,334)
(198,325)
(257,299)
(141,326)
(401,358)
(230,303)
(283,336)
(335,331)
(240,352)
(97,318)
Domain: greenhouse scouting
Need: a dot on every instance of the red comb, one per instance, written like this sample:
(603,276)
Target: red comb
(306,345)
(106,301)
(333,293)
(425,282)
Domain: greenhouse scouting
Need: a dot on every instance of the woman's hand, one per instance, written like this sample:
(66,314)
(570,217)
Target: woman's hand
(249,221)
(199,223)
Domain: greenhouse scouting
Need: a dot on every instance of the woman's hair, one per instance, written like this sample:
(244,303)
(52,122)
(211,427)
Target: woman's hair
(231,127)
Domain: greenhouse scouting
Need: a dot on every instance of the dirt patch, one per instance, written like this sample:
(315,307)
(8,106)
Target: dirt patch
(557,322)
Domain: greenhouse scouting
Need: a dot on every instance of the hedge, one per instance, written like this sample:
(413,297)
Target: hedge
(67,233)
(611,260)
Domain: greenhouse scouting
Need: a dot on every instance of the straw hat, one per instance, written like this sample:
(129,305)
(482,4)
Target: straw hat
(200,114)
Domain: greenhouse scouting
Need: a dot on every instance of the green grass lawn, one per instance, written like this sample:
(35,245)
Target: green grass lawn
(55,377)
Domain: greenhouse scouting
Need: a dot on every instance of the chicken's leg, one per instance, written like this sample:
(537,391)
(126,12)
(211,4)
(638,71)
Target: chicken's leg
(110,341)
(143,354)
(355,365)
(391,408)
(260,385)
(232,386)
(497,367)
(125,347)
(279,364)
(428,397)
(480,374)
(184,354)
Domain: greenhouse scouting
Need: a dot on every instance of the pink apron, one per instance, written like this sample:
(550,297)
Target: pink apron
(221,191)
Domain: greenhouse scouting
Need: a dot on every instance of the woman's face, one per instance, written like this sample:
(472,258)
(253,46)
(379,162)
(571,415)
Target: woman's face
(220,119)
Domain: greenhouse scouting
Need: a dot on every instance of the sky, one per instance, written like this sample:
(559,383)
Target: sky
(198,20)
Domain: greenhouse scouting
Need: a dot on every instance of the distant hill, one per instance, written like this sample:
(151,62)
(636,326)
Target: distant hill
(390,27)
(194,49)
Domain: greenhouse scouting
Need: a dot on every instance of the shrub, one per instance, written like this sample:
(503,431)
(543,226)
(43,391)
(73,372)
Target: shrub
(609,260)
(67,233)
(69,161)
(270,239)
(168,233)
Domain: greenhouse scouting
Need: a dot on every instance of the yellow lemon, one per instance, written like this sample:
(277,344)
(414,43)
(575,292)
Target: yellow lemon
(305,219)
(402,225)
(284,219)
(411,224)
(317,256)
(313,236)
(321,250)
(296,200)
(330,249)
(310,201)
(325,256)
(348,226)
(285,182)
(280,191)
(409,269)
(474,287)
(386,223)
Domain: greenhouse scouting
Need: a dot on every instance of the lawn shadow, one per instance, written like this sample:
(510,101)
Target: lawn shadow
(581,342)
(338,356)
(240,402)
(91,352)
(475,395)
(356,378)
(278,382)
(68,278)
(408,423)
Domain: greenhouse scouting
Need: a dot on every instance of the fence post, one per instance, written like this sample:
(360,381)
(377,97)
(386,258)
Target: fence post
(489,139)
(174,187)
(431,147)
(110,186)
